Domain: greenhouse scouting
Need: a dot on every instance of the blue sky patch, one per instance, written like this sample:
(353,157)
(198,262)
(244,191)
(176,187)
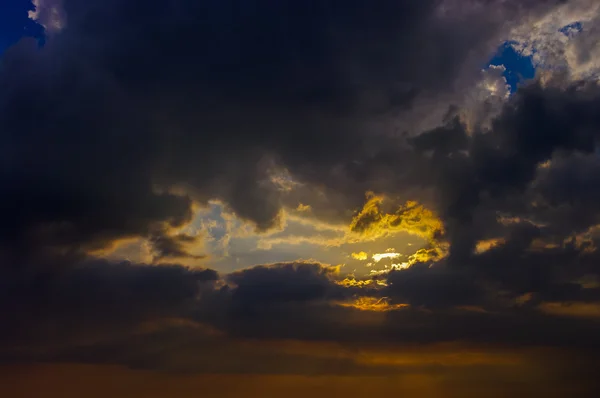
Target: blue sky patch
(15,23)
(518,67)
(572,29)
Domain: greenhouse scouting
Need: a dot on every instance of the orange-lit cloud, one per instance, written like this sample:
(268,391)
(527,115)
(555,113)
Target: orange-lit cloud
(484,245)
(366,303)
(372,222)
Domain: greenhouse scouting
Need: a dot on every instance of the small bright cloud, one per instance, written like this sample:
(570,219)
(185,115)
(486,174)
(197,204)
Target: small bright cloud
(50,14)
(483,246)
(380,256)
(360,256)
(401,266)
(302,207)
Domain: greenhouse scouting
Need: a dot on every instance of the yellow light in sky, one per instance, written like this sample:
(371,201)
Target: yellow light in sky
(484,245)
(401,266)
(412,217)
(377,257)
(360,256)
(302,207)
(375,304)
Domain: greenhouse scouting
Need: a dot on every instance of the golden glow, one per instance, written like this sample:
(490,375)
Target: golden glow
(515,368)
(375,272)
(351,281)
(483,246)
(380,256)
(362,256)
(444,354)
(429,254)
(400,266)
(366,303)
(373,223)
(368,238)
(302,208)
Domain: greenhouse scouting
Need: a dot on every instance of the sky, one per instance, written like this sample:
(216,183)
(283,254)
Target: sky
(262,198)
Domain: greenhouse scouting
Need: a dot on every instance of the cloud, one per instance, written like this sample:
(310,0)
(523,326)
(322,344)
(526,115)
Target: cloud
(421,286)
(50,14)
(173,247)
(165,126)
(373,222)
(188,125)
(96,299)
(572,309)
(494,170)
(379,256)
(283,319)
(281,283)
(559,51)
(360,256)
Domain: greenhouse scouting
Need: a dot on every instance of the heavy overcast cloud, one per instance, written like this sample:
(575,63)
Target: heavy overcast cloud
(276,190)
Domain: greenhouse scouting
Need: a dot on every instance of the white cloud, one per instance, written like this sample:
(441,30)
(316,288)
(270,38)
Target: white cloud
(485,99)
(380,256)
(572,56)
(50,14)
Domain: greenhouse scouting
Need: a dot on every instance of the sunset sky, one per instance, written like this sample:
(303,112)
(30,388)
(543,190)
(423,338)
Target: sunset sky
(279,198)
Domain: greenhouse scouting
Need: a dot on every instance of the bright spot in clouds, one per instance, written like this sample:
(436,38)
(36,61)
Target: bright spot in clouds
(374,304)
(360,256)
(380,256)
(484,245)
(401,266)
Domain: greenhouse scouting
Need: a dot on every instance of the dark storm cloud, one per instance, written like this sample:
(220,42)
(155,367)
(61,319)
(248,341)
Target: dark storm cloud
(135,97)
(96,297)
(483,176)
(421,286)
(282,283)
(568,193)
(298,300)
(99,302)
(487,173)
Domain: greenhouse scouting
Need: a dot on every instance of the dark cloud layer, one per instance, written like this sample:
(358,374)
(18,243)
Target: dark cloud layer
(179,320)
(496,167)
(139,110)
(125,104)
(97,297)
